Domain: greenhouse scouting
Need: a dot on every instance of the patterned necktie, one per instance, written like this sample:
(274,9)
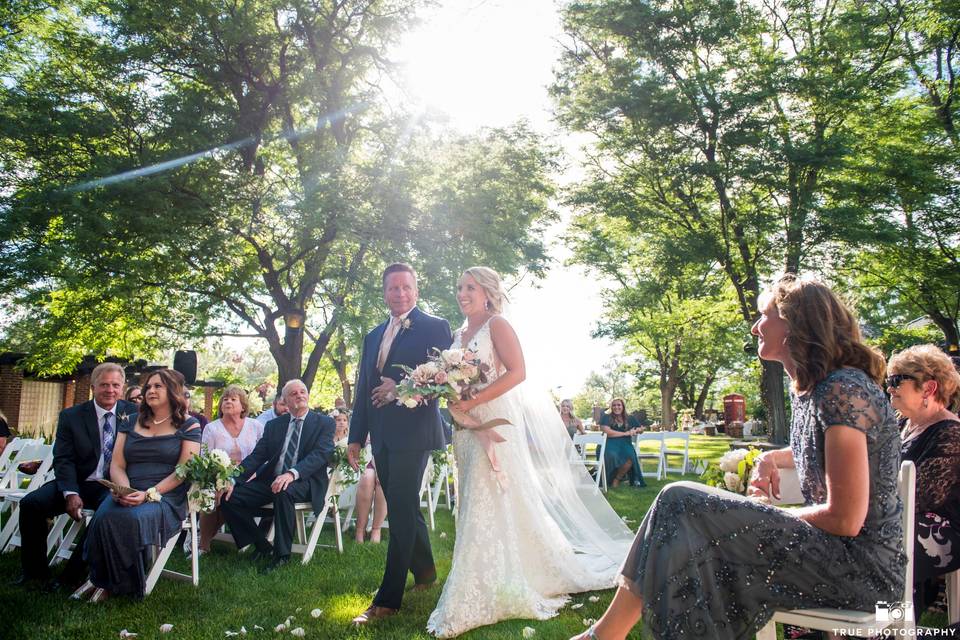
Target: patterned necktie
(291,455)
(107,444)
(388,337)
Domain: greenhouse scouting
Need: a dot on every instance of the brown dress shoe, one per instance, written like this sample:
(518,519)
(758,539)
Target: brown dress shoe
(374,613)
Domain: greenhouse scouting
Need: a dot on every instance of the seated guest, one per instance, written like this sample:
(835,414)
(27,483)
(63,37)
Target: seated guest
(370,492)
(711,563)
(235,433)
(620,457)
(278,409)
(288,465)
(341,421)
(202,419)
(145,456)
(922,383)
(82,452)
(134,394)
(573,424)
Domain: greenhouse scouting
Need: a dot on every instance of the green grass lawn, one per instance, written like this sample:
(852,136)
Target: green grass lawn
(231,593)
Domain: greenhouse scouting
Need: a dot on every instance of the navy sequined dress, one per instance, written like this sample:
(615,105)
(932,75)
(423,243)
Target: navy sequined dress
(709,563)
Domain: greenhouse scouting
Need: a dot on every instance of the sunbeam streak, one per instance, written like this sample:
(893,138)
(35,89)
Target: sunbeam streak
(327,119)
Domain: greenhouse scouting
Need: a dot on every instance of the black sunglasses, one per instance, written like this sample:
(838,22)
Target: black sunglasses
(896,379)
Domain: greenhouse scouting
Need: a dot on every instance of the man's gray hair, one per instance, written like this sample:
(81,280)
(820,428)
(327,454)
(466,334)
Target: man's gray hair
(105,367)
(289,384)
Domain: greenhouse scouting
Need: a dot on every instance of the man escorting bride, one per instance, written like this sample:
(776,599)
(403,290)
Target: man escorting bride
(530,532)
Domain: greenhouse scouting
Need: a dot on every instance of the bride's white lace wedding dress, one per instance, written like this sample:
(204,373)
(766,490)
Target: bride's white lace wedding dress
(540,533)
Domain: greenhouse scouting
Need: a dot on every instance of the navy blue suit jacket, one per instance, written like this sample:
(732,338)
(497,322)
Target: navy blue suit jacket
(313,455)
(393,426)
(77,447)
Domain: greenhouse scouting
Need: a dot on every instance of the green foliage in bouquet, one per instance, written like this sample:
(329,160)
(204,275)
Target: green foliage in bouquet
(207,472)
(343,474)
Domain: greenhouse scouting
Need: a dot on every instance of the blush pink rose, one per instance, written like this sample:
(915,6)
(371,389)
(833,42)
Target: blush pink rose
(440,378)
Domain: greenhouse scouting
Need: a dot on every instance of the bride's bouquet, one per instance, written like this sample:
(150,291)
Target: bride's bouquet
(207,472)
(449,374)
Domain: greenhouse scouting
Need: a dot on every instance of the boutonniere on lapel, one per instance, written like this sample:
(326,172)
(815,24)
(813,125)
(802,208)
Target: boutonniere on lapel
(122,418)
(405,324)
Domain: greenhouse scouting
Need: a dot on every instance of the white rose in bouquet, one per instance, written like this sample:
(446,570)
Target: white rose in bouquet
(452,356)
(410,403)
(731,459)
(469,371)
(733,482)
(221,456)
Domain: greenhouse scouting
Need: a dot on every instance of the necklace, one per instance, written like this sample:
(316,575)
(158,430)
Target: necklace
(912,429)
(156,422)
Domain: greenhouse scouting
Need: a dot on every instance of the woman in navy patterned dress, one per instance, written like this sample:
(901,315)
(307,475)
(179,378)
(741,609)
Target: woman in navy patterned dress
(708,563)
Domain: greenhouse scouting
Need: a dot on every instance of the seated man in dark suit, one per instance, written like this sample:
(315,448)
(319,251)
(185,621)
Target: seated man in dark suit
(288,465)
(81,456)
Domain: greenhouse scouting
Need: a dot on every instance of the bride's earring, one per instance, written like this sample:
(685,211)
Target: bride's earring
(486,305)
(925,402)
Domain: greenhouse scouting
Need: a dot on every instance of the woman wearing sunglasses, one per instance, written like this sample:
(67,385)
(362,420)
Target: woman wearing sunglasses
(922,383)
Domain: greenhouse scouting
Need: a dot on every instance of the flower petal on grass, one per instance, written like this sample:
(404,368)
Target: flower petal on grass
(576,606)
(316,613)
(529,632)
(594,598)
(126,634)
(299,632)
(166,628)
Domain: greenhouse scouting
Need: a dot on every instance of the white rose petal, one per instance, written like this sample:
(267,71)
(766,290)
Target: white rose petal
(289,621)
(576,606)
(594,598)
(280,628)
(166,628)
(529,632)
(732,481)
(299,632)
(230,633)
(443,534)
(243,631)
(588,621)
(410,403)
(299,609)
(126,634)
(316,613)
(257,627)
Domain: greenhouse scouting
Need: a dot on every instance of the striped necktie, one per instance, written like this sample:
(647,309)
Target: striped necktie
(290,457)
(108,439)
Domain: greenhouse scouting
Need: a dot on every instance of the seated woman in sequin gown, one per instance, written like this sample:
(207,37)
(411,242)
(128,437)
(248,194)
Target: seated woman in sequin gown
(923,383)
(145,455)
(708,563)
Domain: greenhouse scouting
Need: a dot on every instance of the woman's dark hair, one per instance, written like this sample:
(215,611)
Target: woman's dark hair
(129,392)
(823,332)
(178,403)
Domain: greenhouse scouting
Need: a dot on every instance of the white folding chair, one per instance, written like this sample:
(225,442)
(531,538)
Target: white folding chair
(659,456)
(159,569)
(426,494)
(581,442)
(64,534)
(304,543)
(11,450)
(10,534)
(953,597)
(833,619)
(12,478)
(673,451)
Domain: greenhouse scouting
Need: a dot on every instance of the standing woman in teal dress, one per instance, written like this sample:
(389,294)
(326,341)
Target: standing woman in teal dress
(145,456)
(620,457)
(710,563)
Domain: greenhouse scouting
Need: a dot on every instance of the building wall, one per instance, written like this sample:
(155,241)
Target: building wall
(11,383)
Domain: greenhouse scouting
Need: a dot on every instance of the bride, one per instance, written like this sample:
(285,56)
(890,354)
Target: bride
(532,527)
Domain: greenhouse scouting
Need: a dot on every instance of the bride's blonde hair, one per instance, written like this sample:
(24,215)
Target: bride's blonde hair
(489,281)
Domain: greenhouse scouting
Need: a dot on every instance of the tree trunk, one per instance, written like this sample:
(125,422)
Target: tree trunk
(702,397)
(771,388)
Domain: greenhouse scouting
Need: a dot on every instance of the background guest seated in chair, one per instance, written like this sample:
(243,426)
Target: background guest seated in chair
(620,456)
(290,463)
(370,492)
(145,456)
(573,424)
(922,383)
(81,455)
(237,434)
